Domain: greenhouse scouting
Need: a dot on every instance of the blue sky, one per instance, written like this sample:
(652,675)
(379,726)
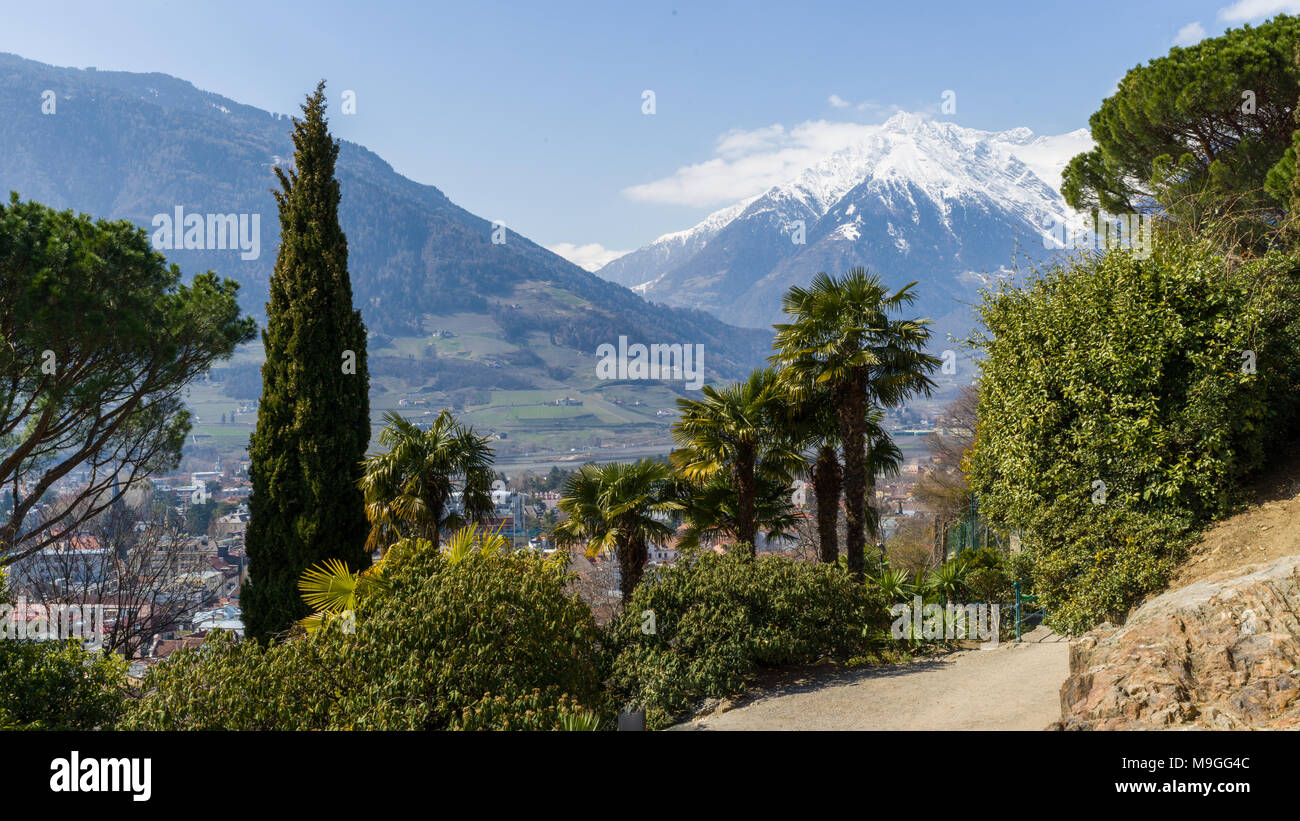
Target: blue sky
(531,113)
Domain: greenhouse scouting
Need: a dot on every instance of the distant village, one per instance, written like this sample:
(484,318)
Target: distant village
(189,583)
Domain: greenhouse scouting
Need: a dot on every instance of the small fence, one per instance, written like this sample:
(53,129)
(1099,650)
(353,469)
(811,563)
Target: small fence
(1027,610)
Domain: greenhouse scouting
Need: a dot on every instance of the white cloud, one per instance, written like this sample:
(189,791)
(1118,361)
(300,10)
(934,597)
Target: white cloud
(1190,34)
(749,162)
(1247,10)
(591,256)
(869,106)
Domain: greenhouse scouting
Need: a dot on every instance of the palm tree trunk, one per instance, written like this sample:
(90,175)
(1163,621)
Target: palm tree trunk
(746,526)
(872,518)
(435,532)
(826,477)
(853,433)
(632,556)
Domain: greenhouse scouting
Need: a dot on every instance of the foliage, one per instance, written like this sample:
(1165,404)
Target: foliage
(717,619)
(1114,386)
(409,489)
(843,341)
(949,581)
(98,339)
(313,422)
(709,509)
(617,508)
(736,433)
(1093,565)
(894,585)
(332,590)
(491,641)
(59,685)
(989,576)
(1182,132)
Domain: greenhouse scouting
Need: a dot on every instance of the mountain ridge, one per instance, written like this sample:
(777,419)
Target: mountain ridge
(124,145)
(915,199)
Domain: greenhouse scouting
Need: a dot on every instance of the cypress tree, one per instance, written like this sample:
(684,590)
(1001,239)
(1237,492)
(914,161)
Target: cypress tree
(313,423)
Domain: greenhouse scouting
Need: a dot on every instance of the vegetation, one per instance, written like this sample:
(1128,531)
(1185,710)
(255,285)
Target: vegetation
(709,510)
(409,488)
(1199,132)
(705,626)
(1122,400)
(736,433)
(98,339)
(313,423)
(843,340)
(616,509)
(59,685)
(489,641)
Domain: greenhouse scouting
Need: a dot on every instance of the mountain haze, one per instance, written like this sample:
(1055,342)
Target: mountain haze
(131,146)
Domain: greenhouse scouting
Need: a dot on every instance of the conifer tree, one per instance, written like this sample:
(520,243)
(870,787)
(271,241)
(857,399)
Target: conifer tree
(313,423)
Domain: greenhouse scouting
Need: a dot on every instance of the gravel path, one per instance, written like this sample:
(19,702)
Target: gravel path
(1011,687)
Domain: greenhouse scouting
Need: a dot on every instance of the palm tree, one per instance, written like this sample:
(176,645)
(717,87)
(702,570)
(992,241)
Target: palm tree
(709,509)
(332,590)
(616,508)
(737,432)
(843,340)
(410,490)
(814,422)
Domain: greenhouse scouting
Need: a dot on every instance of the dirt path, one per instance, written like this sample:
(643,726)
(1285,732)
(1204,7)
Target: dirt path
(1012,687)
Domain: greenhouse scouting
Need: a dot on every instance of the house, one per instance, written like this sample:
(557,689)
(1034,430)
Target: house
(233,523)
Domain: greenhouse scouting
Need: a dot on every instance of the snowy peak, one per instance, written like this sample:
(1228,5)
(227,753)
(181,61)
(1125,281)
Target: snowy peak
(914,197)
(632,269)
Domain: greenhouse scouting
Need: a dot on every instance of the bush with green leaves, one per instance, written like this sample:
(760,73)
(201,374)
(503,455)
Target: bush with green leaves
(1122,402)
(56,685)
(703,627)
(1093,564)
(486,641)
(59,685)
(988,576)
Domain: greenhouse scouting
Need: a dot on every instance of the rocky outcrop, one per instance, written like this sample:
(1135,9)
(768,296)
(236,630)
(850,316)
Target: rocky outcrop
(1223,653)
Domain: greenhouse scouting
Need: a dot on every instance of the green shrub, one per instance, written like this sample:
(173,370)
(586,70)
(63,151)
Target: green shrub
(718,619)
(1121,405)
(990,584)
(988,576)
(487,642)
(58,685)
(1094,565)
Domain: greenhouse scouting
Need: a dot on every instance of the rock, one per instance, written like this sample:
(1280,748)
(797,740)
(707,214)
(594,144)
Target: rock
(1222,653)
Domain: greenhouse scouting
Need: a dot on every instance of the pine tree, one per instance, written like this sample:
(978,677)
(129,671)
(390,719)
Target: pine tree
(313,423)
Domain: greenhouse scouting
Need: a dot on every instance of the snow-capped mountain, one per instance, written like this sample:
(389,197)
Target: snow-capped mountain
(915,200)
(666,251)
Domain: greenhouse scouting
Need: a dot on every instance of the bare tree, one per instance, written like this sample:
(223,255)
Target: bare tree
(133,559)
(943,487)
(596,583)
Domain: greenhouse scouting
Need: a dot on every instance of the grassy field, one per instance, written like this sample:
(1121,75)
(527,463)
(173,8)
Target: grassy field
(521,421)
(526,424)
